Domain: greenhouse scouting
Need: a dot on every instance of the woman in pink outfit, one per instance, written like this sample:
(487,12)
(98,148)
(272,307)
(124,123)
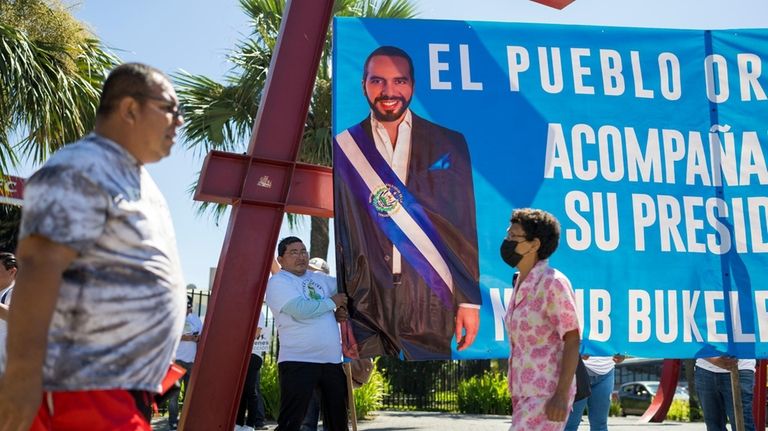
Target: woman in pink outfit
(542,325)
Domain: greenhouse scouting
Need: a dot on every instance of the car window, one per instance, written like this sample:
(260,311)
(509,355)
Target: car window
(652,387)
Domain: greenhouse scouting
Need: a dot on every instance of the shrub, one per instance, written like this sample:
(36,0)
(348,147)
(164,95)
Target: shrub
(270,387)
(368,398)
(680,411)
(614,409)
(485,394)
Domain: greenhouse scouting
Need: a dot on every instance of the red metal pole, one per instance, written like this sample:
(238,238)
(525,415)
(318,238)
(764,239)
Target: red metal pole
(659,407)
(758,401)
(238,288)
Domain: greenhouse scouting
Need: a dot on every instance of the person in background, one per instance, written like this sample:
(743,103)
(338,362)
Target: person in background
(185,356)
(713,386)
(304,303)
(601,371)
(98,305)
(8,270)
(251,401)
(542,325)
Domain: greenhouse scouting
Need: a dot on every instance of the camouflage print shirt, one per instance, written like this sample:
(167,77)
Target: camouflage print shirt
(121,306)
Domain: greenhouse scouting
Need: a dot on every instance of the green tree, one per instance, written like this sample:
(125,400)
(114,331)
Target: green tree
(51,71)
(220,115)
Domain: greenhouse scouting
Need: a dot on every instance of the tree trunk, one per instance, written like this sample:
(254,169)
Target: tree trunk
(318,238)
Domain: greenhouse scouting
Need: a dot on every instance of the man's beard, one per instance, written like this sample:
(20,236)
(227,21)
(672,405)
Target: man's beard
(388,116)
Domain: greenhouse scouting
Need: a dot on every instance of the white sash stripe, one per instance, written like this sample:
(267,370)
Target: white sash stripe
(402,218)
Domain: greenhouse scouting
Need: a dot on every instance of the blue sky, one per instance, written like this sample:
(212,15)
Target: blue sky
(195,35)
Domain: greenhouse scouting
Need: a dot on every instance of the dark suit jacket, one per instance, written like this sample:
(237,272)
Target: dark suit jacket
(440,177)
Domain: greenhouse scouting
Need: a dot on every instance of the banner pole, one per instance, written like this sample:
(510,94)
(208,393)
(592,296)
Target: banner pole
(351,396)
(738,408)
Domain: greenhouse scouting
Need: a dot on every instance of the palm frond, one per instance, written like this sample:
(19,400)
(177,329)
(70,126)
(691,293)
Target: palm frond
(45,97)
(392,9)
(220,115)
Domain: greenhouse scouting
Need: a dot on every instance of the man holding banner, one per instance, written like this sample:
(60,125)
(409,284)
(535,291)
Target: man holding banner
(405,217)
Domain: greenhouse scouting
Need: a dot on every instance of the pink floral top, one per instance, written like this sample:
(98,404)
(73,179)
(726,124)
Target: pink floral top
(541,311)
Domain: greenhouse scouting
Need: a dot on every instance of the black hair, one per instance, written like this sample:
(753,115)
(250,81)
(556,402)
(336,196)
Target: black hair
(389,51)
(8,260)
(284,243)
(539,224)
(127,80)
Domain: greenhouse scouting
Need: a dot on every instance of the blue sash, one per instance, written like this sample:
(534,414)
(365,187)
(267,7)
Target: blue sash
(383,198)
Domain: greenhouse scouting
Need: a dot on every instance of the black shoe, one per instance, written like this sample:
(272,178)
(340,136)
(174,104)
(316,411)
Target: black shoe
(260,427)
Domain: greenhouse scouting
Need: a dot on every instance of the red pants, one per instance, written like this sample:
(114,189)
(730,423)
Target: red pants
(105,410)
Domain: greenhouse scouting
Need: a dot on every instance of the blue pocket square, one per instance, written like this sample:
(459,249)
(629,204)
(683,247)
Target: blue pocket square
(444,162)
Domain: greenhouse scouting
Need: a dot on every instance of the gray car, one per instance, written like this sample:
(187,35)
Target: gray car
(635,397)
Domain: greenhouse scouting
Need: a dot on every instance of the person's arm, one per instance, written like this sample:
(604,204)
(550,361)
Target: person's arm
(556,408)
(300,308)
(191,337)
(41,264)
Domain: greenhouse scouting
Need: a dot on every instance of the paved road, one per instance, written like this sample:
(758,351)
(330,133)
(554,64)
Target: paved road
(412,421)
(431,421)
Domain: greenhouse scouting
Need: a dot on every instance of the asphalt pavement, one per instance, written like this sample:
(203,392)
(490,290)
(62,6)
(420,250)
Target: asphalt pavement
(430,421)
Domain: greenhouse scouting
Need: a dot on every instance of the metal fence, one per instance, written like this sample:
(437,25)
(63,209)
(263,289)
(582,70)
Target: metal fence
(427,385)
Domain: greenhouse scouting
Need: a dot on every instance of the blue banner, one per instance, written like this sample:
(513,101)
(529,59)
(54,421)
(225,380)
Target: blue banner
(648,145)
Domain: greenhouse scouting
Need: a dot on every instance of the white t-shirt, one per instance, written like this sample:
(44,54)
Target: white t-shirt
(5,299)
(744,364)
(261,343)
(188,349)
(601,365)
(315,339)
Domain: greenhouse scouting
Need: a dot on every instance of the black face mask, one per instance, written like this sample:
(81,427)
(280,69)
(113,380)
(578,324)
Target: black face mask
(508,253)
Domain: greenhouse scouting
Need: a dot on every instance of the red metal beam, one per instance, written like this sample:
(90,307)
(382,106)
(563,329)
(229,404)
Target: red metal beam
(758,401)
(223,175)
(557,4)
(247,253)
(657,411)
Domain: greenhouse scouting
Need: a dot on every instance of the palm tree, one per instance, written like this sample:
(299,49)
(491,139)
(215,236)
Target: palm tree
(51,70)
(220,115)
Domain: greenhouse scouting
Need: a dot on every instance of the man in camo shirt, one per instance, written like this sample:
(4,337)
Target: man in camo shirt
(98,306)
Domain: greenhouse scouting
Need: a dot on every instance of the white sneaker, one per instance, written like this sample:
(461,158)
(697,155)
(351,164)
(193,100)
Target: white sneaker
(240,428)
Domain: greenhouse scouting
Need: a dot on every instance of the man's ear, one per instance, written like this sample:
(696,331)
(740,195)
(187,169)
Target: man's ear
(128,109)
(280,260)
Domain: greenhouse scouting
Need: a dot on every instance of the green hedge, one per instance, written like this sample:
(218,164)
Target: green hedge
(680,411)
(270,388)
(485,394)
(368,398)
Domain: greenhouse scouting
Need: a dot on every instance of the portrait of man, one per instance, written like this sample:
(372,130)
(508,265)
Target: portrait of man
(405,223)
